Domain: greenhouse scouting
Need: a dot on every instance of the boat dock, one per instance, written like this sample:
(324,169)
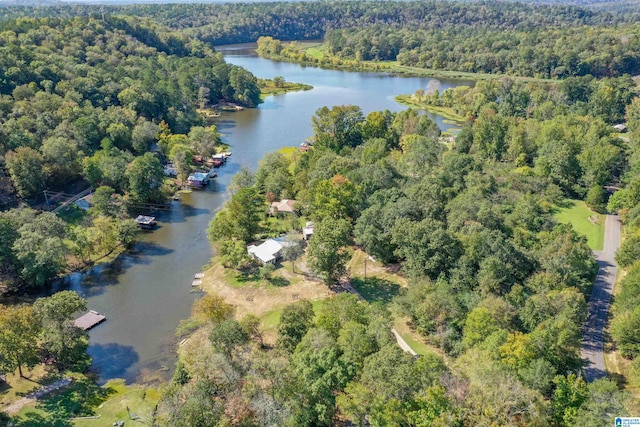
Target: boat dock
(89,320)
(146,222)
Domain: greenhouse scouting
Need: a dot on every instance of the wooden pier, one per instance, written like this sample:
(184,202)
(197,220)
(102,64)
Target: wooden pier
(89,320)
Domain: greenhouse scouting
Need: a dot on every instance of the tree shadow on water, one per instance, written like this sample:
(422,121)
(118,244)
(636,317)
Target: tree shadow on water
(113,360)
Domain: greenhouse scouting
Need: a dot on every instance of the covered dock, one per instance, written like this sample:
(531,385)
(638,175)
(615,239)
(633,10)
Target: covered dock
(89,320)
(147,222)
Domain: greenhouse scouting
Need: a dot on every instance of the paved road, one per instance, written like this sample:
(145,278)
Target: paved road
(593,330)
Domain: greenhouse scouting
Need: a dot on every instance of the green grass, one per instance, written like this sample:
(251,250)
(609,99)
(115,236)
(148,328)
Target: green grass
(584,221)
(73,215)
(375,289)
(448,113)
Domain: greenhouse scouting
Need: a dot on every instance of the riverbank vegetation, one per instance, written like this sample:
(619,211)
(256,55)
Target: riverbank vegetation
(278,85)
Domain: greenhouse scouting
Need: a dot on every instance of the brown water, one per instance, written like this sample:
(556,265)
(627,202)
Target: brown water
(145,293)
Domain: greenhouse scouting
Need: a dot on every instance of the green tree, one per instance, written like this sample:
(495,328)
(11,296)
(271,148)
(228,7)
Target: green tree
(181,155)
(426,247)
(629,251)
(213,308)
(106,202)
(145,176)
(569,395)
(203,140)
(597,199)
(293,250)
(327,253)
(227,335)
(233,253)
(338,127)
(19,332)
(604,402)
(316,363)
(295,321)
(26,167)
(61,338)
(40,249)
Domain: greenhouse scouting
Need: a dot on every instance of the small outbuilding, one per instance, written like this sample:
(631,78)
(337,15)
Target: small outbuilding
(307,230)
(620,128)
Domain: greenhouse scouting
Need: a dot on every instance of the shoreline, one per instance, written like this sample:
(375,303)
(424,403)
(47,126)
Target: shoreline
(321,60)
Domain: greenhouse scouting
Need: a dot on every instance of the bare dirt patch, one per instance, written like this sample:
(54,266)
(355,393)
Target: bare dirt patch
(259,297)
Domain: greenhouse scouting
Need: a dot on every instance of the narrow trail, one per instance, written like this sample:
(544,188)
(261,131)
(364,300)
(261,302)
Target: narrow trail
(592,348)
(15,407)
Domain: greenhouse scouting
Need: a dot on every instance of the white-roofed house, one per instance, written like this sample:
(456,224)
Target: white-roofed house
(268,252)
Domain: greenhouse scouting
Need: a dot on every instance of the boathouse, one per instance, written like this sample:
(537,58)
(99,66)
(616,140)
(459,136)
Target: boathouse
(198,180)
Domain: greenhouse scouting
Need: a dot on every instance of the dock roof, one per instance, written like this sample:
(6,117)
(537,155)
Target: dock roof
(89,320)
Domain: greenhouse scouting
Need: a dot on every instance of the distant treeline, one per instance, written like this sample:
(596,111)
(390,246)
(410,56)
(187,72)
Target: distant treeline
(239,23)
(546,53)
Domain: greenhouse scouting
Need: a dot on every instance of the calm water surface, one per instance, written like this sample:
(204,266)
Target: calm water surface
(145,293)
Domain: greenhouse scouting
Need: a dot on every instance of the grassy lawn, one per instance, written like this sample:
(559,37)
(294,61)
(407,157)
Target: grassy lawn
(83,398)
(139,400)
(584,221)
(16,388)
(376,289)
(452,117)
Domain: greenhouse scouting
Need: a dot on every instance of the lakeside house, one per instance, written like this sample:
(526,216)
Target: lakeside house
(268,252)
(284,206)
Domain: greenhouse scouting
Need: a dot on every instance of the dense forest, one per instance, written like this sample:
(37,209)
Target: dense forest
(495,285)
(545,53)
(238,23)
(81,103)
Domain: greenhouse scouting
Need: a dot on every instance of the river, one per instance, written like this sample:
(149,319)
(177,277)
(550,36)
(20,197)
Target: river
(146,292)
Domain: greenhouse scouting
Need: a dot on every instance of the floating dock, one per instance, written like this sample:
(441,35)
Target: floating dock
(196,283)
(89,320)
(199,275)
